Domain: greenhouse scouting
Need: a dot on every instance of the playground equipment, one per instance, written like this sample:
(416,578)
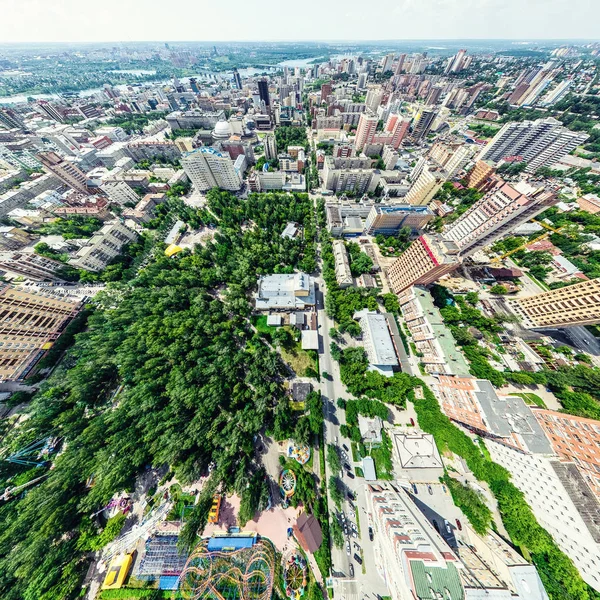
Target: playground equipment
(287,483)
(10,492)
(122,504)
(295,576)
(242,574)
(299,453)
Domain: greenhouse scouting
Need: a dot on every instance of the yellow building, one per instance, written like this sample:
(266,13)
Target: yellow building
(117,572)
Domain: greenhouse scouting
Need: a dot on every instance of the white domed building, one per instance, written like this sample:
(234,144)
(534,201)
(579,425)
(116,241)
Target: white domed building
(222,131)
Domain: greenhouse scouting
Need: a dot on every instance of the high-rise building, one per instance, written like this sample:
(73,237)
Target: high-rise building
(411,554)
(561,501)
(574,439)
(426,185)
(452,156)
(263,92)
(367,126)
(326,90)
(426,260)
(194,83)
(479,177)
(539,143)
(10,119)
(456,62)
(270,144)
(237,79)
(502,209)
(387,62)
(30,325)
(373,99)
(400,64)
(67,172)
(577,304)
(423,124)
(208,168)
(50,111)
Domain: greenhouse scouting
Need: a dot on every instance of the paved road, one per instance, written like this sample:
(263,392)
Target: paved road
(362,585)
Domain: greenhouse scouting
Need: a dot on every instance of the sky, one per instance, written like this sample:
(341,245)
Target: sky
(241,20)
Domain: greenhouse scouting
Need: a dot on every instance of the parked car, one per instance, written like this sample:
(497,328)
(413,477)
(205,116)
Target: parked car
(371,533)
(437,527)
(459,525)
(356,547)
(412,422)
(345,448)
(444,489)
(346,466)
(448,527)
(351,570)
(358,559)
(348,548)
(414,489)
(354,533)
(430,489)
(350,474)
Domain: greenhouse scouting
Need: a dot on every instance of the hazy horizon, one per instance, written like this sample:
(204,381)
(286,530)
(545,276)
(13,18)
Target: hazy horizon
(34,21)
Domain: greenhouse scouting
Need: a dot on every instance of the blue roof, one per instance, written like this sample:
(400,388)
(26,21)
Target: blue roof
(168,582)
(230,542)
(403,208)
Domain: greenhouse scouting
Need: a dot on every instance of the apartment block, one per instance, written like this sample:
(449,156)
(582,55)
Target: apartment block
(350,175)
(29,325)
(475,404)
(574,439)
(423,124)
(479,177)
(367,126)
(103,247)
(426,260)
(539,143)
(577,304)
(413,556)
(501,210)
(31,265)
(452,156)
(562,503)
(207,168)
(388,220)
(343,275)
(67,172)
(426,185)
(119,192)
(432,338)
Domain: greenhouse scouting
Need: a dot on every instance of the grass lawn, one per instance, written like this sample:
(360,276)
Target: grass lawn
(531,399)
(298,359)
(383,458)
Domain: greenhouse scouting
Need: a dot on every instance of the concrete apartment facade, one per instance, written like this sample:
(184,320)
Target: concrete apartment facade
(577,304)
(29,324)
(426,260)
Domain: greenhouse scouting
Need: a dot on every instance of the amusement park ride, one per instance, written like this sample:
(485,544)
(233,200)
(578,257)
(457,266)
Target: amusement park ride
(33,455)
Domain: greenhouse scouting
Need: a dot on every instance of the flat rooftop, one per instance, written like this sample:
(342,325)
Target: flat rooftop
(508,415)
(454,357)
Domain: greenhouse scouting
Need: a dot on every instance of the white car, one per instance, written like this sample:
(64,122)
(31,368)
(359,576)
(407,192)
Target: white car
(348,548)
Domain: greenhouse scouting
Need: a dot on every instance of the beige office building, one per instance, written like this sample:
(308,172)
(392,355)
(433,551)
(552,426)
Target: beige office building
(29,325)
(426,260)
(577,304)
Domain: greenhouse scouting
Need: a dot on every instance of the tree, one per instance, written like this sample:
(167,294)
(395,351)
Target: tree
(302,432)
(336,351)
(333,458)
(337,533)
(390,303)
(498,290)
(335,490)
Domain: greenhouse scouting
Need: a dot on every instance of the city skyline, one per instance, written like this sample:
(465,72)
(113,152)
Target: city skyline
(468,19)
